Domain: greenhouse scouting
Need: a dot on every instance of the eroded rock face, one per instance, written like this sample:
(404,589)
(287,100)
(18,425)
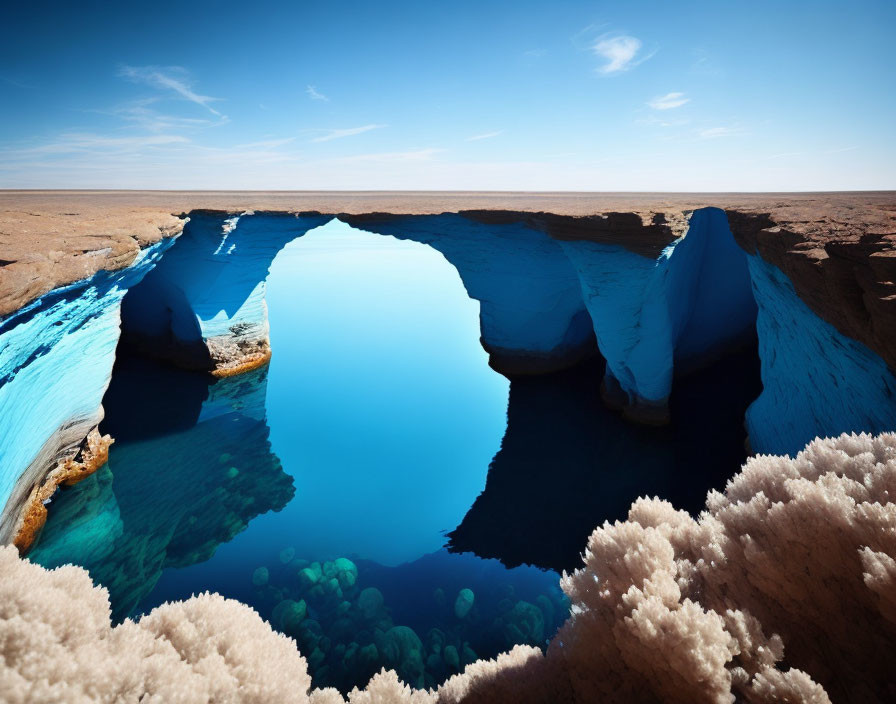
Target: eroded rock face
(657,304)
(816,381)
(532,316)
(56,358)
(841,261)
(690,304)
(203,307)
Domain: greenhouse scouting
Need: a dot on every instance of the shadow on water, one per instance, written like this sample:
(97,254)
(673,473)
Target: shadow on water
(178,481)
(567,463)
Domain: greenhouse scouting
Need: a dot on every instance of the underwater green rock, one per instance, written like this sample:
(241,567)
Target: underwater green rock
(288,614)
(402,650)
(452,659)
(524,623)
(463,603)
(260,576)
(346,572)
(311,575)
(439,596)
(370,601)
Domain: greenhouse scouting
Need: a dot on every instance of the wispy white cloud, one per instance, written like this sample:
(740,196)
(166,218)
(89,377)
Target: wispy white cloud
(78,142)
(315,95)
(704,64)
(620,52)
(391,157)
(173,78)
(668,101)
(840,149)
(348,132)
(718,132)
(487,135)
(652,119)
(141,115)
(535,53)
(267,143)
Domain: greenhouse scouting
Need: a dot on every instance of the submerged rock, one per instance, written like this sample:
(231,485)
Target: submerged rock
(288,614)
(438,596)
(463,603)
(311,575)
(260,576)
(524,623)
(346,572)
(370,602)
(402,650)
(452,659)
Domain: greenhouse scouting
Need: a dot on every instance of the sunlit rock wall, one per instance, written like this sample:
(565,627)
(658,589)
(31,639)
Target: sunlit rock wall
(203,306)
(56,358)
(816,381)
(532,316)
(655,317)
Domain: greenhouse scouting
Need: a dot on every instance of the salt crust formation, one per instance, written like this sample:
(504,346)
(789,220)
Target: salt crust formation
(783,590)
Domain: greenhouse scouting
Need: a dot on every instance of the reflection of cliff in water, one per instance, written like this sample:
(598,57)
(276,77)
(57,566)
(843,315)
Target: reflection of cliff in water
(213,472)
(567,463)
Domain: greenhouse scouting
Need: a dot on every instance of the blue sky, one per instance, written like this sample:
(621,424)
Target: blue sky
(712,95)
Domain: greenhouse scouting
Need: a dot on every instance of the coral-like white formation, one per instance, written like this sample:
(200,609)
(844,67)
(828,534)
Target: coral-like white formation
(58,646)
(784,590)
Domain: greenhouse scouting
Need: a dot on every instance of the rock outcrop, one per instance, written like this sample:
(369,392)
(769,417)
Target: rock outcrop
(532,316)
(203,306)
(56,358)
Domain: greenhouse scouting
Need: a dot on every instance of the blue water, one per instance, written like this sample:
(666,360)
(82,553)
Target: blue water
(319,490)
(323,489)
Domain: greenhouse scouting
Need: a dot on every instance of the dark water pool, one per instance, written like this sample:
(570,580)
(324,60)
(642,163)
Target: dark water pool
(373,492)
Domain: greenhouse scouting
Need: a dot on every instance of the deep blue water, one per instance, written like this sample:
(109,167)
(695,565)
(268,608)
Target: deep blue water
(322,489)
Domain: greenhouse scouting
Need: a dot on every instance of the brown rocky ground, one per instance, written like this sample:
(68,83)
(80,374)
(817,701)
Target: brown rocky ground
(839,249)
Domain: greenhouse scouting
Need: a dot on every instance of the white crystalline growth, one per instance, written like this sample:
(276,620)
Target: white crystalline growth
(785,587)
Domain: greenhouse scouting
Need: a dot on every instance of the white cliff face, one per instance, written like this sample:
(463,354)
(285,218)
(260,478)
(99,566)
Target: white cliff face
(542,302)
(653,318)
(56,358)
(203,306)
(816,381)
(532,316)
